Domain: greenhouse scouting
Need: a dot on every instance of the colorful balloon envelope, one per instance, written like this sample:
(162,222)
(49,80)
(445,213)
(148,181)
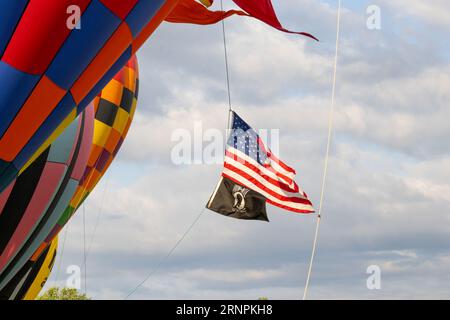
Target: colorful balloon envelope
(30,280)
(50,71)
(114,108)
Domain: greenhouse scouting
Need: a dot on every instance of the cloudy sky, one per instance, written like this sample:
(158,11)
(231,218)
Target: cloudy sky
(387,200)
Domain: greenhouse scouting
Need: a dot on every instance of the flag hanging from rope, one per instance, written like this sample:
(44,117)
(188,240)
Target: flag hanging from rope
(236,201)
(249,163)
(191,11)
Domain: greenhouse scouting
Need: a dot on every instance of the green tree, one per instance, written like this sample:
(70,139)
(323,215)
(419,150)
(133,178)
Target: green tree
(56,293)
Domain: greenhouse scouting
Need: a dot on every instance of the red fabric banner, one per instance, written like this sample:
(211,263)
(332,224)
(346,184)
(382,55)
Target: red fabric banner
(191,11)
(263,10)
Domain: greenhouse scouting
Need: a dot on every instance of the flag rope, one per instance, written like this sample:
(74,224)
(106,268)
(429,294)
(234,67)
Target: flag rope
(226,59)
(327,154)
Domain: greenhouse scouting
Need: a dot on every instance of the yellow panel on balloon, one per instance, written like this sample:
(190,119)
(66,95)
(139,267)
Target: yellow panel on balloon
(101,133)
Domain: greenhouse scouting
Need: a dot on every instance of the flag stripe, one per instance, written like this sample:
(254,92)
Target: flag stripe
(256,171)
(268,170)
(287,177)
(249,178)
(281,167)
(284,167)
(310,210)
(246,179)
(289,205)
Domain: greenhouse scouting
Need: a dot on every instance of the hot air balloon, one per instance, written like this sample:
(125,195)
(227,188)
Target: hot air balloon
(29,204)
(114,112)
(114,109)
(30,280)
(49,72)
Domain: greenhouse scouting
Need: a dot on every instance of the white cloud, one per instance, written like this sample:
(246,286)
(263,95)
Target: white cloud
(434,12)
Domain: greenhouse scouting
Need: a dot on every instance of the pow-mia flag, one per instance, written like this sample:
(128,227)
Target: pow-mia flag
(234,200)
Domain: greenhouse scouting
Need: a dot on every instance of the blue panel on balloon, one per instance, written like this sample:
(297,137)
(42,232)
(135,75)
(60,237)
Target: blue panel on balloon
(15,87)
(65,106)
(97,26)
(126,55)
(9,17)
(142,14)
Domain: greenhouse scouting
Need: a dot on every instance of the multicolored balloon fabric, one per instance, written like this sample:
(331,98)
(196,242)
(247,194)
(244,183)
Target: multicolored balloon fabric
(30,280)
(50,70)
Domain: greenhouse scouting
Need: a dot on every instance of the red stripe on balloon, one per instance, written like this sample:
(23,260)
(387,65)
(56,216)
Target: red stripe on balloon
(39,35)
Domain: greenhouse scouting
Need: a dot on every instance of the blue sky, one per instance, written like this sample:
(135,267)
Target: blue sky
(387,199)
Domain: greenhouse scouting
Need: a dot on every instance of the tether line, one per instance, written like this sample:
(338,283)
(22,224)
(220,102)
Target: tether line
(97,222)
(161,262)
(84,249)
(327,154)
(62,253)
(100,213)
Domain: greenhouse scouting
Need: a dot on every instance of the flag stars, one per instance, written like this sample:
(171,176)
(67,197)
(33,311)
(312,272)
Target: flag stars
(246,140)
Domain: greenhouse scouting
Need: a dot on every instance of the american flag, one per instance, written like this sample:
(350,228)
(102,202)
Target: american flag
(249,163)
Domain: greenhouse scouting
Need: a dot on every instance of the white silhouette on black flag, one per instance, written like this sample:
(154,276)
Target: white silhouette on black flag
(233,200)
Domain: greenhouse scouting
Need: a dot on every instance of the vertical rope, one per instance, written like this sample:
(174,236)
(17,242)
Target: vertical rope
(226,58)
(100,213)
(327,154)
(84,248)
(61,255)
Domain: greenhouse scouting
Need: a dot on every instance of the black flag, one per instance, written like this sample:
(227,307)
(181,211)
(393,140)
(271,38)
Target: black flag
(234,200)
